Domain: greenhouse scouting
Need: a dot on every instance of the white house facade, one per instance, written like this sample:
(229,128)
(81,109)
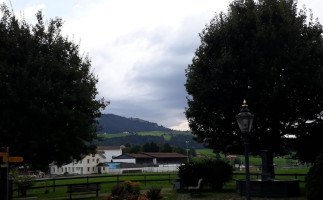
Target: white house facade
(88,164)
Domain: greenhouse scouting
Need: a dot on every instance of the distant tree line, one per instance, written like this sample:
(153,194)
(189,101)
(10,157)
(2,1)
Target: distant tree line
(137,140)
(153,147)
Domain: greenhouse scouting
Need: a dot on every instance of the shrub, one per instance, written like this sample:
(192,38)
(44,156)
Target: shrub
(118,190)
(132,187)
(189,174)
(215,173)
(143,197)
(314,180)
(126,191)
(154,194)
(23,182)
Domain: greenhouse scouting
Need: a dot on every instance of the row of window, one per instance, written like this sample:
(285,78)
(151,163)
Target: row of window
(88,161)
(71,169)
(93,160)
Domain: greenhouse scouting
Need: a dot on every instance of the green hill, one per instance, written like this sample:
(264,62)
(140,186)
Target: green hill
(117,130)
(110,123)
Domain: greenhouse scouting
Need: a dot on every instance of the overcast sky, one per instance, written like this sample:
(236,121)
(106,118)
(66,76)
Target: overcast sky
(139,48)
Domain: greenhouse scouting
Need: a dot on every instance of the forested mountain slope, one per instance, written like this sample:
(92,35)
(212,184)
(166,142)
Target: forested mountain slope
(110,123)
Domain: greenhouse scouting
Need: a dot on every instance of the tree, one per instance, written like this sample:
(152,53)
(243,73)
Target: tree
(267,53)
(48,93)
(166,148)
(150,147)
(314,178)
(310,137)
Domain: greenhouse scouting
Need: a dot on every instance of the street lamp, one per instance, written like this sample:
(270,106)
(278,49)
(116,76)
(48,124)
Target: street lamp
(245,119)
(188,160)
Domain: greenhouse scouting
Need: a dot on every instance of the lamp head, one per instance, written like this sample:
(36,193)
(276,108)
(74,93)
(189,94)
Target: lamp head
(245,119)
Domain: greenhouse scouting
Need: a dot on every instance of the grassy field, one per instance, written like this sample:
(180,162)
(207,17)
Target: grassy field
(228,191)
(280,162)
(167,135)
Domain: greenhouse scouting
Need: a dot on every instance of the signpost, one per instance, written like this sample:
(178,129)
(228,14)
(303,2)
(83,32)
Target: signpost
(12,159)
(4,174)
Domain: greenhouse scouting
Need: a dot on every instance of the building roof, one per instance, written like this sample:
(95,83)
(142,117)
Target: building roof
(164,155)
(102,148)
(139,155)
(150,155)
(125,156)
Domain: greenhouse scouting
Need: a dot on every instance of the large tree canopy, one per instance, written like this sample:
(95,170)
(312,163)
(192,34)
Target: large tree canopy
(267,53)
(48,93)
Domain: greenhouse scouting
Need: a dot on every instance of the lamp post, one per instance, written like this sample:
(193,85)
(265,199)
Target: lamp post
(188,160)
(245,119)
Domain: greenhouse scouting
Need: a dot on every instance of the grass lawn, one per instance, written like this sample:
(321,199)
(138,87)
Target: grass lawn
(228,192)
(280,162)
(167,135)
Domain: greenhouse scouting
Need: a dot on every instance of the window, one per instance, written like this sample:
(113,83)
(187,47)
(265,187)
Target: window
(80,161)
(88,169)
(62,170)
(93,160)
(97,160)
(93,169)
(103,168)
(72,169)
(53,169)
(88,160)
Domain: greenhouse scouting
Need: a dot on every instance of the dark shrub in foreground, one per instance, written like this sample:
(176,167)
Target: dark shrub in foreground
(314,180)
(154,194)
(214,173)
(126,191)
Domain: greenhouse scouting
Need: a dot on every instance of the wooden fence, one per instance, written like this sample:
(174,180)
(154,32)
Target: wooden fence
(300,177)
(143,178)
(120,178)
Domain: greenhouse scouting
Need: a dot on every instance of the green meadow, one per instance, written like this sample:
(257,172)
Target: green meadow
(167,135)
(227,193)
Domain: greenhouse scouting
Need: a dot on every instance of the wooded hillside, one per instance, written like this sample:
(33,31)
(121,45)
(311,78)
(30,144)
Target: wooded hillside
(110,123)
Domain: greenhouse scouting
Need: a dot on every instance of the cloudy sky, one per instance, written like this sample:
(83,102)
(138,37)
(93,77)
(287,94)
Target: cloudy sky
(139,48)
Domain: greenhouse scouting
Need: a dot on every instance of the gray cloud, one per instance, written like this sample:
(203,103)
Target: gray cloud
(163,74)
(140,49)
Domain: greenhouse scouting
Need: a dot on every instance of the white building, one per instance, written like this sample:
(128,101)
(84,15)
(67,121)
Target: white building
(88,164)
(110,152)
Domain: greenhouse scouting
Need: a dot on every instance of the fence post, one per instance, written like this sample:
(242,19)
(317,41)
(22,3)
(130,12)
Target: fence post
(87,179)
(169,177)
(53,184)
(118,179)
(145,179)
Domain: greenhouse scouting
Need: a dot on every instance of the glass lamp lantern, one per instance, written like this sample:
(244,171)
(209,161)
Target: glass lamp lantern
(245,119)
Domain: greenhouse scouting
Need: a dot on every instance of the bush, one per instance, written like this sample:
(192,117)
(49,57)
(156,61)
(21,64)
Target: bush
(314,180)
(126,191)
(188,174)
(132,187)
(23,182)
(118,190)
(215,173)
(154,194)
